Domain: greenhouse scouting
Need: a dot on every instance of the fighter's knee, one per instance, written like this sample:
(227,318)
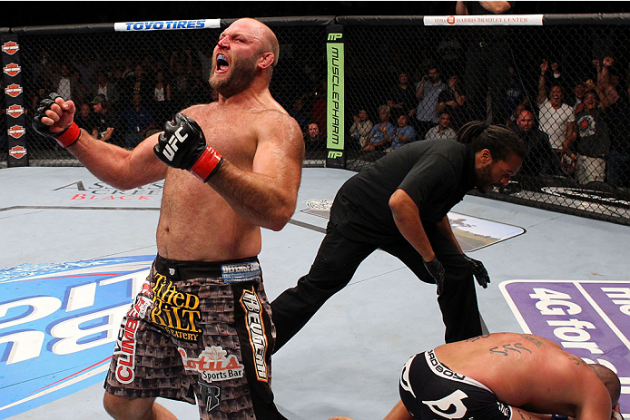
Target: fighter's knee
(121,408)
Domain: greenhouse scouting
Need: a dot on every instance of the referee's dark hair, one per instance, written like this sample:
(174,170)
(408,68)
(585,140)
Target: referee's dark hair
(500,140)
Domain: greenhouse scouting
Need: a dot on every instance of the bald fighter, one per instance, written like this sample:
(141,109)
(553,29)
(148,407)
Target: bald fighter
(200,330)
(505,376)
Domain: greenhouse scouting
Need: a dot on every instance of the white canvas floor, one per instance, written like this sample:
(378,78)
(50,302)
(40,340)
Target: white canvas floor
(346,361)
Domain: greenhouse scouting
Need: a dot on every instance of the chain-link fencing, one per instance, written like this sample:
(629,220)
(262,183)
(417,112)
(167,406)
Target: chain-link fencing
(563,87)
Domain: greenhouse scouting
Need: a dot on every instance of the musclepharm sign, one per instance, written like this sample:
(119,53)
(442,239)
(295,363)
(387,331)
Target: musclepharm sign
(59,324)
(167,25)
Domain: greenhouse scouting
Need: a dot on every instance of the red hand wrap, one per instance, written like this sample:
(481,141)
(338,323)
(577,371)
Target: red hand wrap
(207,164)
(69,136)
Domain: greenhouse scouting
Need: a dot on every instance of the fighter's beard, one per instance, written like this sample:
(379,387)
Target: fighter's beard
(240,79)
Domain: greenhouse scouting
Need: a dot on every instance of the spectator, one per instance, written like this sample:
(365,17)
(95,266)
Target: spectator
(103,128)
(361,128)
(555,117)
(66,85)
(452,101)
(136,82)
(138,120)
(107,89)
(381,134)
(617,108)
(313,139)
(593,143)
(578,97)
(491,376)
(540,158)
(427,92)
(403,133)
(402,98)
(515,94)
(84,118)
(443,130)
(161,98)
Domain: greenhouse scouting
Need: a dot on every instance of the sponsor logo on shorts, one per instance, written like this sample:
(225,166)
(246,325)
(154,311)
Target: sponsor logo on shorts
(176,312)
(213,364)
(441,369)
(211,395)
(504,409)
(235,273)
(404,378)
(253,310)
(449,407)
(126,343)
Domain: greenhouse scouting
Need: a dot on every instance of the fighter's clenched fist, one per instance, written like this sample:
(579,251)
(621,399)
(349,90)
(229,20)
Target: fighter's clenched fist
(182,145)
(54,118)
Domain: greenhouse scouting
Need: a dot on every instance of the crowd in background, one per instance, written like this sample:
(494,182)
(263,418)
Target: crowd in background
(458,79)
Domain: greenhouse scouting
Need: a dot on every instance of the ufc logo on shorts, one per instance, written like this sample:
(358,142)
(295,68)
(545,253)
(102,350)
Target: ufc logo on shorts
(449,407)
(171,145)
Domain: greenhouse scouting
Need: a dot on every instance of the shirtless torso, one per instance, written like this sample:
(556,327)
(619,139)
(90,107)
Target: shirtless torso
(530,372)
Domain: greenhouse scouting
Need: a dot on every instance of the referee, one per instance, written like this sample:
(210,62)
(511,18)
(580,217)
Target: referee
(400,205)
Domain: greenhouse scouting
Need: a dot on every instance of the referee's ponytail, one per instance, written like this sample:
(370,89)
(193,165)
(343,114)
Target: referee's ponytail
(500,140)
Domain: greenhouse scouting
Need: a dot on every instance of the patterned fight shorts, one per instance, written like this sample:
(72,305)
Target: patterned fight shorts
(430,390)
(199,331)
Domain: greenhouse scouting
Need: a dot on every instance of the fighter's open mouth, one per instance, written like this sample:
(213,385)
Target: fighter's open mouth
(222,63)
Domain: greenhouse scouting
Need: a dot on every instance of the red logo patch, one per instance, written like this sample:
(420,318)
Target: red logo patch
(10,47)
(13,90)
(16,131)
(450,20)
(17,152)
(12,69)
(15,111)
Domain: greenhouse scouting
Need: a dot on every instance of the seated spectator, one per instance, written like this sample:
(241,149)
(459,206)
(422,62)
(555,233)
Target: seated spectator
(138,120)
(361,128)
(443,130)
(381,134)
(452,101)
(540,158)
(313,139)
(403,133)
(103,128)
(593,142)
(84,118)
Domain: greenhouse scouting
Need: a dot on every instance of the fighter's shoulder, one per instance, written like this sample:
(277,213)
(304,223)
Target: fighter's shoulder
(278,118)
(198,111)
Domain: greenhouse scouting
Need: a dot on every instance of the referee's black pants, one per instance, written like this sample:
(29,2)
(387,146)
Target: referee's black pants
(339,257)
